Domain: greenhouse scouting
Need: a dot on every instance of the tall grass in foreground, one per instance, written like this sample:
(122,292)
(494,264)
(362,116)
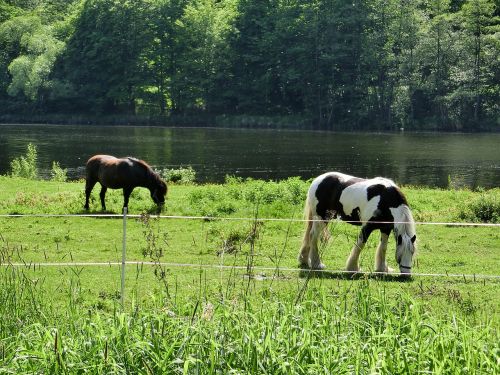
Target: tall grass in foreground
(348,330)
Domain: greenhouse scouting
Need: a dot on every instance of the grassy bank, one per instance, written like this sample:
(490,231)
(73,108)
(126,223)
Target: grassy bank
(253,319)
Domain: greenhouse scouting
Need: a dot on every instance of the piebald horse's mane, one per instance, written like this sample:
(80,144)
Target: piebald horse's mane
(404,225)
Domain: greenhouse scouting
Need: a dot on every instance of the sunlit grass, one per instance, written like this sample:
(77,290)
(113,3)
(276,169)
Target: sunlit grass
(336,328)
(235,320)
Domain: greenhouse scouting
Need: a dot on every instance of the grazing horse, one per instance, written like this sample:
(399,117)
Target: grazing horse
(127,174)
(375,203)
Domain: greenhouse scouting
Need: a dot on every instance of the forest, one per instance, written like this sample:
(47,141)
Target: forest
(376,65)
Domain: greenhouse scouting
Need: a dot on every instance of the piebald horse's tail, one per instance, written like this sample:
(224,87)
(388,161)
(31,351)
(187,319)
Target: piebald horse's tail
(304,249)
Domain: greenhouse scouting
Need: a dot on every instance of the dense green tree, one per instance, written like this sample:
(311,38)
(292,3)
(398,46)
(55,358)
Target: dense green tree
(102,60)
(206,27)
(8,11)
(163,53)
(30,51)
(30,72)
(407,31)
(434,56)
(250,89)
(331,64)
(11,33)
(475,72)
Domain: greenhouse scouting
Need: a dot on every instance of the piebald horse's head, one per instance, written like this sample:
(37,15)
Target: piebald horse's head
(405,235)
(405,249)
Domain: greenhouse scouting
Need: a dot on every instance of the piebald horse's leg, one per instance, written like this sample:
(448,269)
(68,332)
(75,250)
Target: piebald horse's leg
(353,260)
(314,259)
(380,261)
(102,195)
(306,246)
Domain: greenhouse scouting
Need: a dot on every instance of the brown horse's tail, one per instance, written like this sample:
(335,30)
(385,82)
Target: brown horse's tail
(92,170)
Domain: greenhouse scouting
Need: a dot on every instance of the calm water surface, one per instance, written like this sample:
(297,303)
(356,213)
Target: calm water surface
(419,159)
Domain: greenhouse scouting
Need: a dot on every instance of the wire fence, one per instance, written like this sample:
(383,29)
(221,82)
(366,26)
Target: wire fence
(247,268)
(261,219)
(253,268)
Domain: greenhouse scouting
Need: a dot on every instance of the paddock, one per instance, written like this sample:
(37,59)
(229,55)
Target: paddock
(216,267)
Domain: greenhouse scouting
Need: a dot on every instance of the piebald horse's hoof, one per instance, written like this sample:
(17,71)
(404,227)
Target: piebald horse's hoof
(303,265)
(385,270)
(354,270)
(302,262)
(318,267)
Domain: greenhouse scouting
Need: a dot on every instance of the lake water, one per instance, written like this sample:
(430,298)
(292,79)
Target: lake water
(429,159)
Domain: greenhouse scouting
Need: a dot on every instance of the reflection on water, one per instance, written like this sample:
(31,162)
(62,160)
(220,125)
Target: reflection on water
(419,159)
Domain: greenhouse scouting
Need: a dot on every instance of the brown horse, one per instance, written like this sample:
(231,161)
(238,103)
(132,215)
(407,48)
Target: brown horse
(127,174)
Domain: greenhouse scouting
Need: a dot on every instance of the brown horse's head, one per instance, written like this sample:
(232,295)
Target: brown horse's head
(159,192)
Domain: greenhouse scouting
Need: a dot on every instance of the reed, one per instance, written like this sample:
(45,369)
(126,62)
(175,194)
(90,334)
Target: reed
(358,328)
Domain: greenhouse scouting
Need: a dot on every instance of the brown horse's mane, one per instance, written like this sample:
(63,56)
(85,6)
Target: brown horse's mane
(152,174)
(140,162)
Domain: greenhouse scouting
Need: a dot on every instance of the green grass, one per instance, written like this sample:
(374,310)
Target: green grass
(209,320)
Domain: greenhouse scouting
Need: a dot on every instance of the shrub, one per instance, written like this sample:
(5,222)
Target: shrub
(485,208)
(57,173)
(290,191)
(25,166)
(179,176)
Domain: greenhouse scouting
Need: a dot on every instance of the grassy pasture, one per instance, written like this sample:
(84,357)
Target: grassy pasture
(201,319)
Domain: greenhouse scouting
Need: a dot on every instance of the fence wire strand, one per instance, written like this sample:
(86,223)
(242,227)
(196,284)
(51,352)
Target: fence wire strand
(219,218)
(233,267)
(245,268)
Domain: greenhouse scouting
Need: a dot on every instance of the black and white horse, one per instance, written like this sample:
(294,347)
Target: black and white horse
(375,203)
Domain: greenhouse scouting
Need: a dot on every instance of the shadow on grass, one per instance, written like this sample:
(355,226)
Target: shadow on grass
(101,214)
(307,273)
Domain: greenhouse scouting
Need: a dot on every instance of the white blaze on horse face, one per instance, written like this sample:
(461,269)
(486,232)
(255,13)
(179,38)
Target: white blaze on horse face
(406,260)
(404,253)
(404,233)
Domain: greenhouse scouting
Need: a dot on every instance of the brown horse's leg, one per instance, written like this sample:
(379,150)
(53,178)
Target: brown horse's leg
(102,194)
(89,185)
(126,195)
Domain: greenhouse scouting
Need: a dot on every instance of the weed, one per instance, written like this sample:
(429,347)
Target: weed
(57,173)
(484,208)
(179,176)
(156,244)
(26,166)
(232,243)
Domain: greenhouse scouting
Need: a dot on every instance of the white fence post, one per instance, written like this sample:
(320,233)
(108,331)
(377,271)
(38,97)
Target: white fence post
(124,250)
